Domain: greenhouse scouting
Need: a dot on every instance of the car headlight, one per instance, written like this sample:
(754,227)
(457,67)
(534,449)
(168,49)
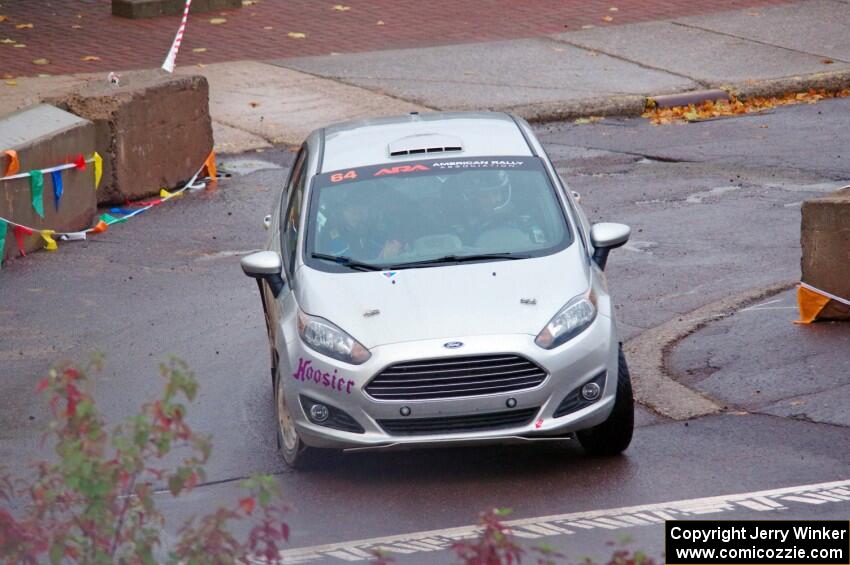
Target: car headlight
(326,338)
(570,321)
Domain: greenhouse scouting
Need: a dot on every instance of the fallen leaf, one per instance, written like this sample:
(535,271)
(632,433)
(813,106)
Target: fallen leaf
(379,23)
(341,8)
(608,18)
(90,58)
(593,53)
(201,65)
(268,27)
(75,26)
(43,75)
(613,9)
(217,21)
(199,50)
(7,40)
(40,62)
(827,61)
(253,104)
(19,45)
(735,107)
(559,49)
(3,18)
(249,2)
(8,75)
(756,14)
(590,120)
(296,35)
(24,26)
(11,82)
(587,26)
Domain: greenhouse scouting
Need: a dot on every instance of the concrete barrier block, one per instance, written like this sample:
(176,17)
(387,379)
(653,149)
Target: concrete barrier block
(43,137)
(136,9)
(153,131)
(825,239)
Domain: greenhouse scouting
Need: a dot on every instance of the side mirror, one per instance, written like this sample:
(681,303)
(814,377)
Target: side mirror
(265,265)
(605,237)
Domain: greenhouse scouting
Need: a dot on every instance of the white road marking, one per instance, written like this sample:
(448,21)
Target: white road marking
(571,523)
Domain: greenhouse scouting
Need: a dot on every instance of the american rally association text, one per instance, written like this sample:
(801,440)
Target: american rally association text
(754,532)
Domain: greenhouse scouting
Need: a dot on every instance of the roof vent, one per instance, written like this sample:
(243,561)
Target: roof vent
(424,143)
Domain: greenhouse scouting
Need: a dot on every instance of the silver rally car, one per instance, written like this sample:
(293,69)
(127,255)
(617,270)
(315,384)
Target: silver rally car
(430,280)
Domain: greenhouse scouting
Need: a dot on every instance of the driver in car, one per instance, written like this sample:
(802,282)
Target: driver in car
(488,196)
(354,233)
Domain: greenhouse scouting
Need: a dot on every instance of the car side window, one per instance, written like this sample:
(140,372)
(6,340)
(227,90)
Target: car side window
(293,211)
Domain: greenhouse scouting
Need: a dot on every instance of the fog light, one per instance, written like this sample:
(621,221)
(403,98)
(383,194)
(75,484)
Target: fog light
(404,411)
(510,403)
(590,391)
(319,413)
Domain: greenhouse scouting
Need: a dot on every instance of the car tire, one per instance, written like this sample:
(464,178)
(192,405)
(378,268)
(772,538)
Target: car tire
(614,435)
(296,454)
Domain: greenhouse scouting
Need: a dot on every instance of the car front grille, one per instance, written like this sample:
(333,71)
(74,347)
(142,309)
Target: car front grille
(459,424)
(452,377)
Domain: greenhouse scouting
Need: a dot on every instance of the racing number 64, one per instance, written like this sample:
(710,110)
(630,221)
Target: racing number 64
(350,175)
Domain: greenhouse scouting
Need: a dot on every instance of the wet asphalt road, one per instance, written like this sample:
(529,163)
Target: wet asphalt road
(714,209)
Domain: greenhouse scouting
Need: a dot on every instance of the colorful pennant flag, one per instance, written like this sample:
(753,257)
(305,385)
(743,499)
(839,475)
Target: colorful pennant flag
(57,188)
(3,227)
(98,169)
(49,242)
(165,195)
(14,165)
(20,232)
(101,226)
(37,190)
(73,236)
(109,220)
(80,162)
(209,165)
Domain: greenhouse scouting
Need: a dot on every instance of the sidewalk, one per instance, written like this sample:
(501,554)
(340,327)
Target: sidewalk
(65,31)
(603,70)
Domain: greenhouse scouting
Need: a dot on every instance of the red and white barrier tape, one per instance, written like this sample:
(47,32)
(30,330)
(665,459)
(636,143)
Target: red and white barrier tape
(168,64)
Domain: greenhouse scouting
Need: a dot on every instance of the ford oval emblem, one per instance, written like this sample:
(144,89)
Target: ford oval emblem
(453,344)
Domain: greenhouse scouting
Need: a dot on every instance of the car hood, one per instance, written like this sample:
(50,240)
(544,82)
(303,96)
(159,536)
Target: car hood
(446,301)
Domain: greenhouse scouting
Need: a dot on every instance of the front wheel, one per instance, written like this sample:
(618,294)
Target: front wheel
(295,452)
(614,435)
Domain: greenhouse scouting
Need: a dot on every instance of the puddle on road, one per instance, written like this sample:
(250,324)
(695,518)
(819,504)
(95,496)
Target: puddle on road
(225,254)
(716,191)
(641,246)
(241,167)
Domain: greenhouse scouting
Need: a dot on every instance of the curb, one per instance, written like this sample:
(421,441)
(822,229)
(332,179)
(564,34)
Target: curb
(648,353)
(686,98)
(830,81)
(631,105)
(635,105)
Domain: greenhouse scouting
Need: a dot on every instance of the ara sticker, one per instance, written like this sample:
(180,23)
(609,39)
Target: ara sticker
(539,424)
(401,169)
(389,274)
(307,374)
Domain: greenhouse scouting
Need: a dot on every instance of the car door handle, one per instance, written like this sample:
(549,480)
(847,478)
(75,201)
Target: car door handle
(267,221)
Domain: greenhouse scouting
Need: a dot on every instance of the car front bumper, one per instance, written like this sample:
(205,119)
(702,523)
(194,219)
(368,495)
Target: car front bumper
(340,385)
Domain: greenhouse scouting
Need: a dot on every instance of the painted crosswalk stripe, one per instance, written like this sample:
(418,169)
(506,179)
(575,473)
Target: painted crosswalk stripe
(835,492)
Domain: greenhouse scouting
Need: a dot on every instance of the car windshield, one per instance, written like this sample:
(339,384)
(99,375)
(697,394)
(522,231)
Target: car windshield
(426,213)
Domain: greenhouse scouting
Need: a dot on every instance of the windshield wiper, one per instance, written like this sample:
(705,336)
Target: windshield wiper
(460,259)
(348,262)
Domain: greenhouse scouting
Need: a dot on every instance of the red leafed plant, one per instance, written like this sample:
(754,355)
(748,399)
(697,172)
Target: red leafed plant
(94,502)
